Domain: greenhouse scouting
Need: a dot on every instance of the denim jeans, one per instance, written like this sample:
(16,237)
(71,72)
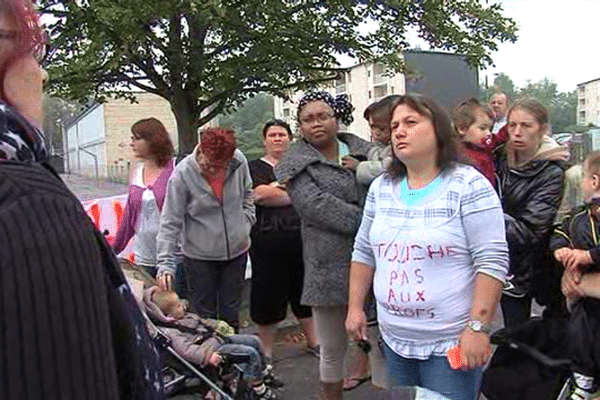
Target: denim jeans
(433,374)
(250,346)
(215,287)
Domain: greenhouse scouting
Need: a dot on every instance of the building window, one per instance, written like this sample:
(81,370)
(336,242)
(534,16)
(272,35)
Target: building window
(370,94)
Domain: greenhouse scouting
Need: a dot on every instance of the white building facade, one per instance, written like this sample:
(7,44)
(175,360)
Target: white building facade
(364,84)
(588,103)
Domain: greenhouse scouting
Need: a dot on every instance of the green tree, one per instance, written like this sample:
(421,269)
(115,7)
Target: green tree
(562,107)
(56,112)
(502,83)
(247,121)
(206,56)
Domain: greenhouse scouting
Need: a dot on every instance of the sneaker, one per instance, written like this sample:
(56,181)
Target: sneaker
(270,379)
(577,393)
(266,395)
(511,290)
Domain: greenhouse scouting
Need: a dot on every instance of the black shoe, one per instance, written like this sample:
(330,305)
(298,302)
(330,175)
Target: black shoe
(270,379)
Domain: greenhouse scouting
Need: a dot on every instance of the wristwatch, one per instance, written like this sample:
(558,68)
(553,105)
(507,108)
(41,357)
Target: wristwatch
(478,326)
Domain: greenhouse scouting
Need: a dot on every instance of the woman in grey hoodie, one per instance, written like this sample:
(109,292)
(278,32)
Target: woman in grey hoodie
(208,204)
(319,173)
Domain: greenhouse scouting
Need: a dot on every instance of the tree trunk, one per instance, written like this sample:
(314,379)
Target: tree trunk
(187,124)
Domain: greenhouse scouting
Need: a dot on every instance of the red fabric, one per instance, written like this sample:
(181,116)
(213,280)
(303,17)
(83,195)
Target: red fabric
(216,183)
(481,154)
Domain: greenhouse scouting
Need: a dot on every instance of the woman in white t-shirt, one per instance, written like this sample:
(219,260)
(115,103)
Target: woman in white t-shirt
(151,145)
(432,243)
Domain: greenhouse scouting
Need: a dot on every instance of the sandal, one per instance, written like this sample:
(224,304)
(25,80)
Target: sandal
(352,383)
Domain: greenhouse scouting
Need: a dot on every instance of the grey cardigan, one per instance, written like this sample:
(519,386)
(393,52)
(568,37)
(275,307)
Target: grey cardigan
(211,230)
(326,197)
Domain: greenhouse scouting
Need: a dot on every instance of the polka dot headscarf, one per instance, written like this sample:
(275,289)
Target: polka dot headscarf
(340,104)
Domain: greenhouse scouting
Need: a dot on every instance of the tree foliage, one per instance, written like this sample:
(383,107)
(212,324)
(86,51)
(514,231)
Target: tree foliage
(562,106)
(206,56)
(247,121)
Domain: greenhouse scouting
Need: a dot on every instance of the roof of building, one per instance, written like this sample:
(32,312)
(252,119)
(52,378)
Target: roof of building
(590,81)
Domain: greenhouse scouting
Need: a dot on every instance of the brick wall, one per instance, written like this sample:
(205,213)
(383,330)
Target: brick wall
(119,116)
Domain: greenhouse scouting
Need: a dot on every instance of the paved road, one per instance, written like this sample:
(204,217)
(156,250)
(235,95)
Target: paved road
(89,188)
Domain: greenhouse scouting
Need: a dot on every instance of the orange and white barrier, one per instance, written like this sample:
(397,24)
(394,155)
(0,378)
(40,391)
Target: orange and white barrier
(106,213)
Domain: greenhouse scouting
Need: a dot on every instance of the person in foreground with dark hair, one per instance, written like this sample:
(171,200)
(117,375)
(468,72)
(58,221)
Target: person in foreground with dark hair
(276,251)
(209,207)
(70,325)
(151,144)
(431,244)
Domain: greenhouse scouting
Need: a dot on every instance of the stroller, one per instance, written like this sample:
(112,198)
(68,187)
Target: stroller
(530,362)
(179,375)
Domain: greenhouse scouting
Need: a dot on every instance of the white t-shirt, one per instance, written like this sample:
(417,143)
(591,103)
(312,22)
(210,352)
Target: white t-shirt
(426,247)
(147,224)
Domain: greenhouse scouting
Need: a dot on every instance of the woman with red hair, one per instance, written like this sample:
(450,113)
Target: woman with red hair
(151,144)
(70,326)
(208,206)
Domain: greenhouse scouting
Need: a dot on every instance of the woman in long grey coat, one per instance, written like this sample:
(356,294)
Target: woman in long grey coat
(319,173)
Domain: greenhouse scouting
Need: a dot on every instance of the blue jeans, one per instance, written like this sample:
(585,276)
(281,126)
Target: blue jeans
(433,374)
(250,346)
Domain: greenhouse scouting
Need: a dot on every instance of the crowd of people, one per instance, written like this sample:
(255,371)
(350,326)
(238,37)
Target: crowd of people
(404,244)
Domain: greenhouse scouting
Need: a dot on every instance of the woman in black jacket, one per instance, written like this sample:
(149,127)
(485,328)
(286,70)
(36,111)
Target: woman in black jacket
(530,182)
(70,326)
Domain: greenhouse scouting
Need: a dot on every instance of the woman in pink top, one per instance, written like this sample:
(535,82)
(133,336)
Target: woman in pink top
(150,144)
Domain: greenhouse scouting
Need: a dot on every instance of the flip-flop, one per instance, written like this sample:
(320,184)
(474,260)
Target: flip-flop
(354,382)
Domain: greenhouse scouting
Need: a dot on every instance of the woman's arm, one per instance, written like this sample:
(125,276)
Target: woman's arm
(361,279)
(483,224)
(271,196)
(125,232)
(361,270)
(171,224)
(590,284)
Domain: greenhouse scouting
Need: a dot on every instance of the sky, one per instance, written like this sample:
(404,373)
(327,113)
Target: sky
(558,39)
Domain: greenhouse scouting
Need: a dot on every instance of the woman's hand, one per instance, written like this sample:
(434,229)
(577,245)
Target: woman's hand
(350,163)
(475,349)
(165,280)
(562,254)
(570,285)
(578,258)
(356,324)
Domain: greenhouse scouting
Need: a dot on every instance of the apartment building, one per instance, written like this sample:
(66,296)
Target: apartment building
(444,76)
(588,103)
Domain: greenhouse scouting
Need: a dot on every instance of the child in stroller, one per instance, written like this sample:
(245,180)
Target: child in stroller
(204,342)
(576,246)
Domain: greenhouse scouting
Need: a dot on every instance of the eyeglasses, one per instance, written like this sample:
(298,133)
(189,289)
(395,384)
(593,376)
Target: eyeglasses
(40,50)
(322,118)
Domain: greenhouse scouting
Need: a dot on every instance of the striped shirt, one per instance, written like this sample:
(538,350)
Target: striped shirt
(426,247)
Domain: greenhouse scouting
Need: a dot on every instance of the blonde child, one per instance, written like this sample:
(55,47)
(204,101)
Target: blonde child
(206,341)
(575,244)
(473,122)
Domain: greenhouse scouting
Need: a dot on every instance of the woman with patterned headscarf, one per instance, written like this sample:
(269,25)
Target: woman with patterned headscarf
(71,328)
(319,174)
